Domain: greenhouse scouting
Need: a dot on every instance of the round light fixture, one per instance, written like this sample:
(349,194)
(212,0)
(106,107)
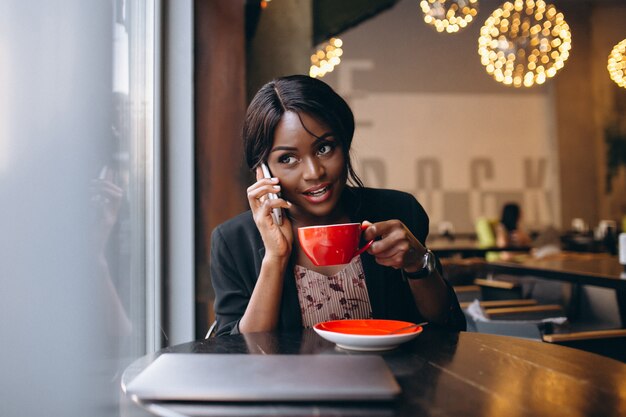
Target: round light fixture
(449,15)
(617,64)
(326,58)
(524,42)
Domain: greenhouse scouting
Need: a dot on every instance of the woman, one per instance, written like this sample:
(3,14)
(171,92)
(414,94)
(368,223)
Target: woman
(509,232)
(262,279)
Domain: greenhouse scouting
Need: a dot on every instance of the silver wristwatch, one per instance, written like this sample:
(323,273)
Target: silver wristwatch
(429,264)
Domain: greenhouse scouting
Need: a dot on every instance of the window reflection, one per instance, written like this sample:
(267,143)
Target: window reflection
(75,172)
(125,178)
(122,206)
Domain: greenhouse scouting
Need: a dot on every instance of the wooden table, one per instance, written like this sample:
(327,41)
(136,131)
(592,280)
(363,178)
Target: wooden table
(466,248)
(441,374)
(602,270)
(597,269)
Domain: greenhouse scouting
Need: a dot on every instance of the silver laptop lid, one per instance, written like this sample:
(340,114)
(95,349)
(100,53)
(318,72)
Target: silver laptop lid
(263,378)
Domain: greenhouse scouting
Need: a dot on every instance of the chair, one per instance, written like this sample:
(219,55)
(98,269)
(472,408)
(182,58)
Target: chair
(610,343)
(524,329)
(492,289)
(486,235)
(489,304)
(530,312)
(212,330)
(528,321)
(557,330)
(461,271)
(485,232)
(597,308)
(467,293)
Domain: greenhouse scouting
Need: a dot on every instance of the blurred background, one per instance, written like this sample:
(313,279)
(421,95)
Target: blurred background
(120,152)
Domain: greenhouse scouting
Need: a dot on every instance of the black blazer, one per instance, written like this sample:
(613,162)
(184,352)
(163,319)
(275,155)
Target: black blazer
(237,251)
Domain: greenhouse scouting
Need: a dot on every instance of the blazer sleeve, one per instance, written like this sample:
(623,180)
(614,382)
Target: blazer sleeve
(420,226)
(231,292)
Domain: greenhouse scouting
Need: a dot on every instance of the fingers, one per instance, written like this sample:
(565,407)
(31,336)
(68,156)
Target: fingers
(388,248)
(258,192)
(259,198)
(261,188)
(111,189)
(397,240)
(267,205)
(259,173)
(396,261)
(106,192)
(263,185)
(395,245)
(381,229)
(277,239)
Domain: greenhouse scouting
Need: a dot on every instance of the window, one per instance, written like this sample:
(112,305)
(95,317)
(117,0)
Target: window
(79,176)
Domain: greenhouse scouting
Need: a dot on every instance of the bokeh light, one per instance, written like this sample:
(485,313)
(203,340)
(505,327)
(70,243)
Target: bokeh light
(449,15)
(617,64)
(524,42)
(326,58)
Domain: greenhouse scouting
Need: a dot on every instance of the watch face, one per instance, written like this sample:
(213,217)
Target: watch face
(429,261)
(428,267)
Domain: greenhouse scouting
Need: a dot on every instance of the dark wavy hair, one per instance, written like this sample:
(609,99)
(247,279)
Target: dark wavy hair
(510,216)
(298,94)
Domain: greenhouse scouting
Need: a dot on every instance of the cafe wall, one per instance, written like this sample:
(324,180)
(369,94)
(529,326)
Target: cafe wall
(430,120)
(609,104)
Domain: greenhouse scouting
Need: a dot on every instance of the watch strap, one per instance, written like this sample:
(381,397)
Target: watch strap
(427,269)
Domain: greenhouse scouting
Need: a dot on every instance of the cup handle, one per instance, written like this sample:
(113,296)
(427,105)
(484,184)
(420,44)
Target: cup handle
(367,245)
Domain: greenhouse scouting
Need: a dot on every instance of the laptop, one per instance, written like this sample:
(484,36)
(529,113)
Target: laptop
(265,378)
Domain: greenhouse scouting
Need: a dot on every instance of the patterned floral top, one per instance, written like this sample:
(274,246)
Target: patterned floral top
(340,296)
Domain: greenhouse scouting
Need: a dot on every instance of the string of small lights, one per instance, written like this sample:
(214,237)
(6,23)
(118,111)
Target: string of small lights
(449,15)
(617,64)
(326,58)
(524,42)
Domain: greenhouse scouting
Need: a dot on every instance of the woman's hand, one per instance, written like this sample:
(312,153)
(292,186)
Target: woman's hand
(263,309)
(520,238)
(278,240)
(396,246)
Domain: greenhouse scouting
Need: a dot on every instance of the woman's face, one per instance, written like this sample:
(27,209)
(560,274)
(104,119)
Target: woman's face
(311,168)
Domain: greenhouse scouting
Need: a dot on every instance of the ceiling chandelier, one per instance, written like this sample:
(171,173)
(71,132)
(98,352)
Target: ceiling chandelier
(449,15)
(524,42)
(326,58)
(617,64)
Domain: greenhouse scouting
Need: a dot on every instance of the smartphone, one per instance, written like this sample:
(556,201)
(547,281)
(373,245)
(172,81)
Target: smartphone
(277,213)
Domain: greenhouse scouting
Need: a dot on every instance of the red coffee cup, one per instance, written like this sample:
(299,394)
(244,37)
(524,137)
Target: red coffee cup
(333,244)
